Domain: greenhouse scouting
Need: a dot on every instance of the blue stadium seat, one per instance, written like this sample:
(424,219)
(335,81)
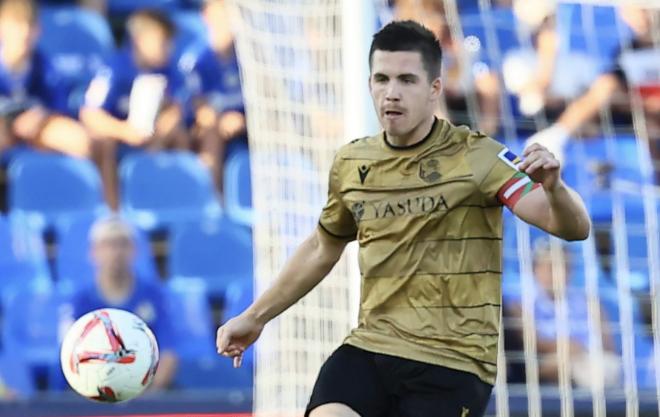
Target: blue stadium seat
(597,30)
(52,190)
(197,369)
(596,164)
(22,255)
(644,359)
(191,30)
(162,189)
(73,265)
(123,7)
(33,318)
(502,20)
(216,373)
(238,187)
(219,252)
(11,152)
(193,326)
(78,42)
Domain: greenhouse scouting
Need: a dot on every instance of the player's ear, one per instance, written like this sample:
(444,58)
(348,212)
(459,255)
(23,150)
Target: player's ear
(436,88)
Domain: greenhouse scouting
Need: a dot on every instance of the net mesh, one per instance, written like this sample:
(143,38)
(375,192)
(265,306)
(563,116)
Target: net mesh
(291,59)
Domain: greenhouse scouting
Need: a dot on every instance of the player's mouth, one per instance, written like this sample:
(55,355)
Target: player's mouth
(392,114)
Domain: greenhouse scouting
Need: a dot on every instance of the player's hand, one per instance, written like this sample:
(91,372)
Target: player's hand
(237,335)
(541,166)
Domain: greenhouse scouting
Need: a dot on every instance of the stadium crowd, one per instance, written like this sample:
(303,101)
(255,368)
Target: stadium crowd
(146,80)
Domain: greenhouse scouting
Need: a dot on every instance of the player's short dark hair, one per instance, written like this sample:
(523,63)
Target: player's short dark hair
(153,16)
(408,35)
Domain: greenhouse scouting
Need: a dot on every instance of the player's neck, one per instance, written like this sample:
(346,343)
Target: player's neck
(116,288)
(414,136)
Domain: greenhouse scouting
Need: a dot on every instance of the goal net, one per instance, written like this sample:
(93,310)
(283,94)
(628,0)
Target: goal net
(292,54)
(304,74)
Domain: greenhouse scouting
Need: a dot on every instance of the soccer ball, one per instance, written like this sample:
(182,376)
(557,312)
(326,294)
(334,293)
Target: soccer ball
(109,355)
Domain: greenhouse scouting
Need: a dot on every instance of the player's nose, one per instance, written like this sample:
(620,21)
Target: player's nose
(392,93)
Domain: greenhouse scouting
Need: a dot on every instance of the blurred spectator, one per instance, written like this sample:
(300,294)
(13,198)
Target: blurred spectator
(100,6)
(219,113)
(6,393)
(542,76)
(116,286)
(139,99)
(465,76)
(31,98)
(551,285)
(635,70)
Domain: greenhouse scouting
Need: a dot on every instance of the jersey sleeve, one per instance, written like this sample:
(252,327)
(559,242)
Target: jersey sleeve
(501,181)
(336,219)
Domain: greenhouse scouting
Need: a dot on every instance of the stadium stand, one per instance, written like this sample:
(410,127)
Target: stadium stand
(238,187)
(72,189)
(162,189)
(73,266)
(219,252)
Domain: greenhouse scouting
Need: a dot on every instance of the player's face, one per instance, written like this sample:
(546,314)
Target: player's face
(152,46)
(113,253)
(402,93)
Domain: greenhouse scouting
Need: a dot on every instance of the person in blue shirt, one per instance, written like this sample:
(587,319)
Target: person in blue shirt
(116,286)
(552,275)
(219,113)
(138,99)
(32,101)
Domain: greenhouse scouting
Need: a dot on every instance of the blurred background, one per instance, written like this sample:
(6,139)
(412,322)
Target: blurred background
(166,156)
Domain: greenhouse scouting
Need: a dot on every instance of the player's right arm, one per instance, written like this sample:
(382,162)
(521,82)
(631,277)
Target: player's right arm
(310,263)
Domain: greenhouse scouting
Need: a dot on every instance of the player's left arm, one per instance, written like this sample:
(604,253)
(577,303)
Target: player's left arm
(553,207)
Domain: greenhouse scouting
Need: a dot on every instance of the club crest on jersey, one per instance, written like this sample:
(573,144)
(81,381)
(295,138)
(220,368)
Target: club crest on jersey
(509,158)
(428,170)
(363,171)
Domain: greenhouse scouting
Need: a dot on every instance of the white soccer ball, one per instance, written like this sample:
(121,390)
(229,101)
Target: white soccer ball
(109,355)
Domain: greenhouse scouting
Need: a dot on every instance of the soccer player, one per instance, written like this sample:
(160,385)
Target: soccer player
(117,286)
(424,201)
(32,101)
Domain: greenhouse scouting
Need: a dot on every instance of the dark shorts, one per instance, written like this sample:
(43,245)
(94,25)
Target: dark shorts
(377,385)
